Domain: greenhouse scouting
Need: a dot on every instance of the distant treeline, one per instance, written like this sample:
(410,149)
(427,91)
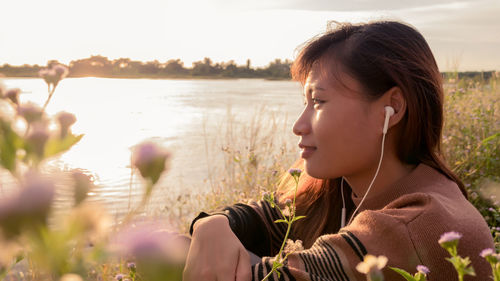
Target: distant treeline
(99,66)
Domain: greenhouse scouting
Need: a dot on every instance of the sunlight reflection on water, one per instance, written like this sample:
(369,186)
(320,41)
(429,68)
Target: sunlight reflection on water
(115,114)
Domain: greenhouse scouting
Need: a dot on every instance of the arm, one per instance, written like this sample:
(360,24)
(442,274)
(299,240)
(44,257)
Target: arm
(334,257)
(254,226)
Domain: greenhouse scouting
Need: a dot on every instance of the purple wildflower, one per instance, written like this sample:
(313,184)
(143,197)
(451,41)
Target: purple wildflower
(295,172)
(147,243)
(423,269)
(288,202)
(27,208)
(119,277)
(490,255)
(53,75)
(150,159)
(30,112)
(487,252)
(37,139)
(451,236)
(131,266)
(61,71)
(491,210)
(82,184)
(65,120)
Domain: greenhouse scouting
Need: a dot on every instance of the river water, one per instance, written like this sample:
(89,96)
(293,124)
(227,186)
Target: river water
(189,117)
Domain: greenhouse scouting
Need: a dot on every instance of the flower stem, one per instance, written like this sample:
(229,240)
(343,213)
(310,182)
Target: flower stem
(289,222)
(51,92)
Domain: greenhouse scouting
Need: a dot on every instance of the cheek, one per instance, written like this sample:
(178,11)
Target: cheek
(349,140)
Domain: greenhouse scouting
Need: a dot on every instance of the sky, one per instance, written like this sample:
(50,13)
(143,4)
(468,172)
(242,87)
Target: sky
(464,35)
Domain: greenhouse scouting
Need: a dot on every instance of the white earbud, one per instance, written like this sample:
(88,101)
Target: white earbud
(389,111)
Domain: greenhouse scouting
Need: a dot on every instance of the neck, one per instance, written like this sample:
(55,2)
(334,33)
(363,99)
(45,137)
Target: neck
(391,170)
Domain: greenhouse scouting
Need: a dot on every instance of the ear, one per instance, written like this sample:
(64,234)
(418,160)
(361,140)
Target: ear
(395,98)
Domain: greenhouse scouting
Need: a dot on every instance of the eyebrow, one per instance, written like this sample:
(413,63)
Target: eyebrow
(314,88)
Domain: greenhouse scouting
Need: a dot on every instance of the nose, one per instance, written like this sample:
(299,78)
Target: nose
(302,125)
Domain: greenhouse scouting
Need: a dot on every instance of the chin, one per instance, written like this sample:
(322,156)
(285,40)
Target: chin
(316,171)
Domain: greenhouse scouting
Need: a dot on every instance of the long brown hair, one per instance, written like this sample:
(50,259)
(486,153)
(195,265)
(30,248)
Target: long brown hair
(380,55)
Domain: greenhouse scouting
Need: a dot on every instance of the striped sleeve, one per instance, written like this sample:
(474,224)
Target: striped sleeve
(269,215)
(253,224)
(332,257)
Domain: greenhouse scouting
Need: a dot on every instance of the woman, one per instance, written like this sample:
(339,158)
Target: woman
(399,196)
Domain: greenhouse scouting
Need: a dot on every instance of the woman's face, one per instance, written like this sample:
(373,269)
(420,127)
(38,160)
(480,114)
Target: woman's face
(340,132)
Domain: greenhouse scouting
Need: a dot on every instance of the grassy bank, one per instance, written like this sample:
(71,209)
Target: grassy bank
(247,159)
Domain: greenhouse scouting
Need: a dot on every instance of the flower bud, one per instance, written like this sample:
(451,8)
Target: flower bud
(449,239)
(53,75)
(13,95)
(83,184)
(423,269)
(61,71)
(37,139)
(158,254)
(131,266)
(490,255)
(30,112)
(150,159)
(295,172)
(65,120)
(27,208)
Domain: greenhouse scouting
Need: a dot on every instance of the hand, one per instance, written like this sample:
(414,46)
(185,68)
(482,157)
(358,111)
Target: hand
(215,253)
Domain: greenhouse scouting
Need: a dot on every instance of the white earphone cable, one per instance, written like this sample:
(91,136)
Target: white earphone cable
(342,218)
(373,180)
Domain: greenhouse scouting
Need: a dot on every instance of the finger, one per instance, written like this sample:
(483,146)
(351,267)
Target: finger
(244,267)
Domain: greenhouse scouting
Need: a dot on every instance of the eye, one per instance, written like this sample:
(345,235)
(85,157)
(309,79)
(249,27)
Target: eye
(317,101)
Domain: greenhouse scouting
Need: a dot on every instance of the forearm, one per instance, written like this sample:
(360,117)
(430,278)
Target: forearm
(245,223)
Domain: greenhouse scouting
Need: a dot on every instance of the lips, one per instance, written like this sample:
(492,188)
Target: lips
(307,150)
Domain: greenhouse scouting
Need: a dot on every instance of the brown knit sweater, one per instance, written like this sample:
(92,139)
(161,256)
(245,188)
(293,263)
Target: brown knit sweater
(403,223)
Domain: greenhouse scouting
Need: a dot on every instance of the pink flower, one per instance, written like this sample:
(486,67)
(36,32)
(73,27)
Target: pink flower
(150,159)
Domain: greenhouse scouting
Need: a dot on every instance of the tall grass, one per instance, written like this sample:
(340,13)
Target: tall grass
(248,158)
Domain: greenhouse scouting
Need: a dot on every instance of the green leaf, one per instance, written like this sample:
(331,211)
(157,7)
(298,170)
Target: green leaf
(298,218)
(280,220)
(492,137)
(10,142)
(469,271)
(403,273)
(55,145)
